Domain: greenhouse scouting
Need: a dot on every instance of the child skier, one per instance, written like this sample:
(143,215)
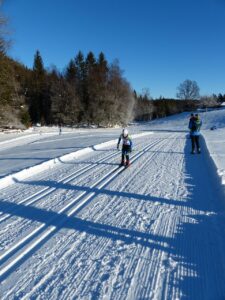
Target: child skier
(126,147)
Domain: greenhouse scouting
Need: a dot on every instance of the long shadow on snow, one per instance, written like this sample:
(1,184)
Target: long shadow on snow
(60,221)
(194,246)
(203,254)
(52,218)
(67,186)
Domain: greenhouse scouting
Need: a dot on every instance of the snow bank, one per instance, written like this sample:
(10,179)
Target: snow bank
(21,175)
(15,139)
(215,142)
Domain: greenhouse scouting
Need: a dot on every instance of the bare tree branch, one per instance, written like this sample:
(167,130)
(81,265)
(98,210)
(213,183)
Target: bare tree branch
(188,90)
(4,44)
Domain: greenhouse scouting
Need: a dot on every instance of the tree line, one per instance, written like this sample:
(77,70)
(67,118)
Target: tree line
(147,108)
(89,91)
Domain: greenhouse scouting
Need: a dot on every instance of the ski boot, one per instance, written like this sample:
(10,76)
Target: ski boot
(122,163)
(127,164)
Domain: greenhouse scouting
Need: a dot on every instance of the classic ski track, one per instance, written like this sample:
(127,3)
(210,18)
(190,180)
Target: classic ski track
(129,267)
(51,201)
(15,224)
(43,175)
(78,202)
(87,274)
(112,269)
(160,293)
(133,288)
(129,296)
(46,191)
(107,244)
(137,251)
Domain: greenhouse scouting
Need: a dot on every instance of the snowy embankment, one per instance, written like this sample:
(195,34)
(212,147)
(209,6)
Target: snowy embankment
(21,175)
(86,229)
(214,139)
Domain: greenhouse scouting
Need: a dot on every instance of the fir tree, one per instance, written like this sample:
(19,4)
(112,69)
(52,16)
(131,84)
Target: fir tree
(71,72)
(38,66)
(82,86)
(40,105)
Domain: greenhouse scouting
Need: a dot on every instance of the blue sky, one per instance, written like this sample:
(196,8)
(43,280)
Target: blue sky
(159,43)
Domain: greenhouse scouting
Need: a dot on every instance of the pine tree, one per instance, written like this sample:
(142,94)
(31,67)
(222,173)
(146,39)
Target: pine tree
(90,103)
(81,67)
(71,72)
(38,66)
(103,68)
(40,104)
(6,75)
(82,85)
(90,63)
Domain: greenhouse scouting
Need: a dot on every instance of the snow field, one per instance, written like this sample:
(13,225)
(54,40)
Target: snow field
(126,170)
(87,229)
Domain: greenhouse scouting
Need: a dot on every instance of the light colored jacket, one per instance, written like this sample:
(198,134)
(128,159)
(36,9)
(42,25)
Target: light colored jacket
(126,141)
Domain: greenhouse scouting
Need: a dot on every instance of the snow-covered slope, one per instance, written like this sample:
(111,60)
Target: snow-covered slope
(86,229)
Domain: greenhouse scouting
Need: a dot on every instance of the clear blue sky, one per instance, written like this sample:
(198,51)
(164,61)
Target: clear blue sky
(159,43)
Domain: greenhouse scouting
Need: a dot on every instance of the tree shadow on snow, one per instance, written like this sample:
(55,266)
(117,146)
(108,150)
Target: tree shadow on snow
(199,244)
(196,248)
(60,221)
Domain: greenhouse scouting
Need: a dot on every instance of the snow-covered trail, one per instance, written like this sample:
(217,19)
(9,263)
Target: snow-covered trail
(88,230)
(28,150)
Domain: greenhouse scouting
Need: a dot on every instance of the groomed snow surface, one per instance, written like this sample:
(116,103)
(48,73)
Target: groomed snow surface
(73,225)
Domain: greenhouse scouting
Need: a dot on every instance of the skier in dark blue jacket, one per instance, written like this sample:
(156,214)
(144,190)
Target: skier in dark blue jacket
(194,125)
(126,147)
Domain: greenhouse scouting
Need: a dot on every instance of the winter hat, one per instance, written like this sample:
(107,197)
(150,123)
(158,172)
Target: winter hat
(125,132)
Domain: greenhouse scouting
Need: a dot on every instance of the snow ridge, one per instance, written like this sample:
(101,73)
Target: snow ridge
(26,173)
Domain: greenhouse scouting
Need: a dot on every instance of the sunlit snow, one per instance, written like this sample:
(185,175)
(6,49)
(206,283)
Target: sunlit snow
(73,225)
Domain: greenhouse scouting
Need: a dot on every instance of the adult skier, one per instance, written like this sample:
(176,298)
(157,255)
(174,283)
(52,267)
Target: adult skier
(194,126)
(192,117)
(126,147)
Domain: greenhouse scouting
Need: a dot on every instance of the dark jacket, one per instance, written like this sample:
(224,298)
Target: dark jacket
(195,125)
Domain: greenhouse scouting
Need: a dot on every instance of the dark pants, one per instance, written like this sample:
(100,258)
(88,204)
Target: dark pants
(125,153)
(195,143)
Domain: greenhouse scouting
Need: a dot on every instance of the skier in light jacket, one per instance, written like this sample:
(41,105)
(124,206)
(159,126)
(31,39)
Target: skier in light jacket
(126,147)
